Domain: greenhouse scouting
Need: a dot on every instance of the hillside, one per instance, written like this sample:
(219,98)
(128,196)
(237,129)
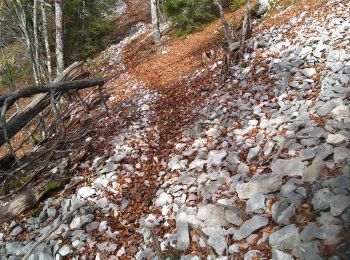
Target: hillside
(253,165)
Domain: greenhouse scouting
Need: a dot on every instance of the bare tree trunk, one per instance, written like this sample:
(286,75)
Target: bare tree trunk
(59,41)
(227,28)
(246,29)
(160,8)
(46,40)
(35,31)
(155,21)
(19,9)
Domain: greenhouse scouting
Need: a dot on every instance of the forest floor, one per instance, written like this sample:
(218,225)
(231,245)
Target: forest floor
(182,146)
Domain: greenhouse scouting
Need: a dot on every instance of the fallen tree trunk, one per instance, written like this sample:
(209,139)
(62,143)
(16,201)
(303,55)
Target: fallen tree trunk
(10,98)
(38,104)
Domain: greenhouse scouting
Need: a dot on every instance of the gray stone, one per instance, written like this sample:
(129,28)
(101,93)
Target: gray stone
(256,204)
(118,157)
(269,147)
(253,153)
(285,238)
(346,70)
(51,212)
(16,231)
(215,157)
(305,52)
(251,226)
(342,182)
(341,154)
(309,233)
(323,151)
(43,252)
(183,237)
(187,179)
(183,257)
(309,72)
(86,192)
(252,254)
(327,219)
(218,242)
(232,157)
(102,202)
(108,167)
(234,215)
(339,204)
(213,132)
(264,184)
(292,167)
(335,139)
(308,252)
(307,154)
(80,221)
(290,186)
(213,216)
(312,172)
(346,218)
(282,211)
(284,217)
(322,199)
(326,108)
(340,112)
(13,248)
(65,250)
(279,255)
(331,234)
(163,199)
(243,169)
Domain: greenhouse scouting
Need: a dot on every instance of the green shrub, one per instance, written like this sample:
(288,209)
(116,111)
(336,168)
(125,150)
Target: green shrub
(190,15)
(236,4)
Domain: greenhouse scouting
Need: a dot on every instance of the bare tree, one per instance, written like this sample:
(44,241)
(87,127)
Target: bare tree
(59,40)
(36,41)
(229,35)
(246,28)
(155,21)
(46,39)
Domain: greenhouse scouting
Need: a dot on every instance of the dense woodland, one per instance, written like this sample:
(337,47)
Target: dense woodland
(174,129)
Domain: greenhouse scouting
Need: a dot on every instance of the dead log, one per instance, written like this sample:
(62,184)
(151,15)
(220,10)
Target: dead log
(55,87)
(22,202)
(42,99)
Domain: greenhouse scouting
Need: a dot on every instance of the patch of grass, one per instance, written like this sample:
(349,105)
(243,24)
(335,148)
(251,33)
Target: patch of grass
(15,184)
(52,186)
(236,4)
(25,178)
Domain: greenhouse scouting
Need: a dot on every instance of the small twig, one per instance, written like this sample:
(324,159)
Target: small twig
(156,245)
(227,252)
(72,186)
(103,98)
(51,231)
(204,237)
(284,144)
(57,113)
(77,138)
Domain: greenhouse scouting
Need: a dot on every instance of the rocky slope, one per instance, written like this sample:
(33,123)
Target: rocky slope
(263,173)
